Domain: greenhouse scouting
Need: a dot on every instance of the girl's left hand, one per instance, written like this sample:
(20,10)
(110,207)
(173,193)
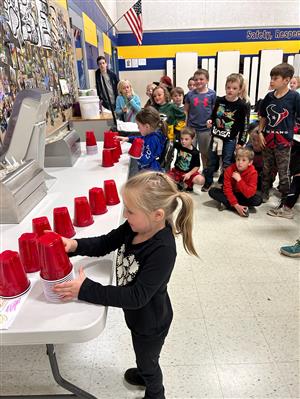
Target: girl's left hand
(70,289)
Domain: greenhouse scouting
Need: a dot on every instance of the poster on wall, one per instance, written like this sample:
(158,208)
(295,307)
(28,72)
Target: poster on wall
(36,51)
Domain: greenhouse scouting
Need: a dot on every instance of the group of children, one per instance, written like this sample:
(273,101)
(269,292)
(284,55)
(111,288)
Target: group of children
(218,128)
(145,241)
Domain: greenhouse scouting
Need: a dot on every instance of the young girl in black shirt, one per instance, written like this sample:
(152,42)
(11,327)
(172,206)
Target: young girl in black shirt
(145,260)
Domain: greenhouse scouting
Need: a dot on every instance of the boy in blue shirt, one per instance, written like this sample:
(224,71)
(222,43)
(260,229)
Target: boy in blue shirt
(199,104)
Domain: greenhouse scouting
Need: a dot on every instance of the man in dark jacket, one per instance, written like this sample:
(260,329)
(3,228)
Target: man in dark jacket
(106,83)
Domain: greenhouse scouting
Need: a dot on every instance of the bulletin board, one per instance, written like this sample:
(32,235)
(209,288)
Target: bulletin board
(36,51)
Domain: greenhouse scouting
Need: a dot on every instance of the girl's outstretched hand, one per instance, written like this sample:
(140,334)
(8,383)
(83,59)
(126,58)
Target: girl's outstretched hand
(69,244)
(122,138)
(70,289)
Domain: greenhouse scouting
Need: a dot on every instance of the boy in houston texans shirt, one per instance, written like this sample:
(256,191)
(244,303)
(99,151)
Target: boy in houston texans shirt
(279,110)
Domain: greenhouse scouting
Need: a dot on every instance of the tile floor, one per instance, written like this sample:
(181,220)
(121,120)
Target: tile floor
(236,321)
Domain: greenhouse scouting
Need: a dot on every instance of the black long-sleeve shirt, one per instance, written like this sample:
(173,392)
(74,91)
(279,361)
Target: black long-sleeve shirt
(143,271)
(229,120)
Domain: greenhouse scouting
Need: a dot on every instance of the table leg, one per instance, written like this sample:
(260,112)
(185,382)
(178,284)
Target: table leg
(76,391)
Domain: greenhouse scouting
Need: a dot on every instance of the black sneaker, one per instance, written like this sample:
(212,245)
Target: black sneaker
(205,188)
(133,378)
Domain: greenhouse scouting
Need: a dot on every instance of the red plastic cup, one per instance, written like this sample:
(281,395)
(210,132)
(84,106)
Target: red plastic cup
(115,155)
(13,279)
(107,158)
(29,252)
(118,146)
(40,224)
(97,201)
(90,138)
(109,139)
(111,193)
(62,223)
(136,148)
(82,212)
(91,144)
(54,261)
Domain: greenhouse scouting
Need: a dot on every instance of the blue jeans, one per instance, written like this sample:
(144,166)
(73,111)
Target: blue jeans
(227,158)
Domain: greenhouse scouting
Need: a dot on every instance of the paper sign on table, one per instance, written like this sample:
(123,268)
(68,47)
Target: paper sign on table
(9,308)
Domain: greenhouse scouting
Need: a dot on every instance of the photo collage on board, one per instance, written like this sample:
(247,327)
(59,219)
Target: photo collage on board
(35,51)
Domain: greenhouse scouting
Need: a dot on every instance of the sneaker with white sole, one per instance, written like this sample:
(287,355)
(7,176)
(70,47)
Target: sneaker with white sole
(293,251)
(283,212)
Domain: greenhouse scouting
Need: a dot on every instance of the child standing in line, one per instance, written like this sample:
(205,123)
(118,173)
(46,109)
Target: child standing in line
(177,97)
(229,128)
(240,183)
(244,96)
(128,104)
(174,116)
(149,90)
(153,131)
(186,169)
(199,104)
(295,83)
(278,113)
(190,86)
(145,260)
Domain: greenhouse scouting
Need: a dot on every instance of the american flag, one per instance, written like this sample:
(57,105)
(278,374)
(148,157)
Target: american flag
(134,18)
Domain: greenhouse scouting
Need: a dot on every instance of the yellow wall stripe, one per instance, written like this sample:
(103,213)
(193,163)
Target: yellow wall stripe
(106,44)
(90,30)
(207,49)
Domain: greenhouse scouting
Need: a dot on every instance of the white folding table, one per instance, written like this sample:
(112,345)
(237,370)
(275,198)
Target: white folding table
(41,322)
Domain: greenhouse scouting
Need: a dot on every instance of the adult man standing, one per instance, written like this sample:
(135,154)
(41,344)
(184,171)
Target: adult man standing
(106,83)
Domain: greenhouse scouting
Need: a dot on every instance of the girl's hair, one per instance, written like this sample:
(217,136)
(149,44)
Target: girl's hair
(150,191)
(121,84)
(166,93)
(151,116)
(244,90)
(188,130)
(236,77)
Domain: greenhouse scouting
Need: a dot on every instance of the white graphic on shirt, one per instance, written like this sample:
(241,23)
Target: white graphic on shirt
(126,267)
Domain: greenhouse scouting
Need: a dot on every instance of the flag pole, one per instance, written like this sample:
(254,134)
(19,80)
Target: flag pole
(115,23)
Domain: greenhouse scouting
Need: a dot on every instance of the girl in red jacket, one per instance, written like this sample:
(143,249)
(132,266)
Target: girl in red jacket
(240,184)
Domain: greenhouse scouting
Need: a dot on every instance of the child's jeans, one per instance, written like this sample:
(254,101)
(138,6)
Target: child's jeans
(218,195)
(214,159)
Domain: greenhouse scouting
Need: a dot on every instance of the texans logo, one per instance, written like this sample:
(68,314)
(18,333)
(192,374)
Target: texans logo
(275,117)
